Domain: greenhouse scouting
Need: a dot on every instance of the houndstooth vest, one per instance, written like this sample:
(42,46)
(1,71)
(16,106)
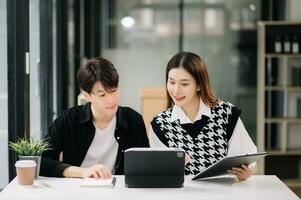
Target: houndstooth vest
(205,140)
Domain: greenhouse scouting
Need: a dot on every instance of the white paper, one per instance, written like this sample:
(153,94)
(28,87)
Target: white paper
(153,149)
(92,182)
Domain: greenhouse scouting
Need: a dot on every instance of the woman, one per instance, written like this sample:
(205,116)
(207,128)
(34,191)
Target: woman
(206,128)
(92,138)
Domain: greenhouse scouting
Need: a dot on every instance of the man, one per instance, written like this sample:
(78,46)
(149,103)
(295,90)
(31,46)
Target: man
(93,137)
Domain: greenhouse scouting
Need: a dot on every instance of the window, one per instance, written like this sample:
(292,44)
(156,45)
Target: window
(3,97)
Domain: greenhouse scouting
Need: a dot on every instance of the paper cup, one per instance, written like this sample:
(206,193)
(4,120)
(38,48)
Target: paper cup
(25,171)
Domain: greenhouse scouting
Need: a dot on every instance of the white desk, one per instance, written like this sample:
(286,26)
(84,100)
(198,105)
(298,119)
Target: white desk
(255,188)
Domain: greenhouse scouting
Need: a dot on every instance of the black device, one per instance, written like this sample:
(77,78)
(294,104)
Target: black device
(227,163)
(154,168)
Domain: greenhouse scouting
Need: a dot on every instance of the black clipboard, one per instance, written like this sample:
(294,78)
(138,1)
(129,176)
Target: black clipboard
(227,163)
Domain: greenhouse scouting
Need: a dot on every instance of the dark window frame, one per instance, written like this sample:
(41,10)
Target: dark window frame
(18,100)
(18,80)
(46,64)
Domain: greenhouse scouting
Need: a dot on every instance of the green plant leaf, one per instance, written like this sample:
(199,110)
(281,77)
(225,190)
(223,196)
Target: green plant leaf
(29,147)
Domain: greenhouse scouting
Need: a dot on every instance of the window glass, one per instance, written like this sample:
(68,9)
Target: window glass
(3,97)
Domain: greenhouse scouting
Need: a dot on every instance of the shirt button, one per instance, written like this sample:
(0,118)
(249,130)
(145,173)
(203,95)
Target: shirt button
(118,138)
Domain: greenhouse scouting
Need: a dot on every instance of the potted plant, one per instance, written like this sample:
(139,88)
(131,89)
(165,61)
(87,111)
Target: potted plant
(30,149)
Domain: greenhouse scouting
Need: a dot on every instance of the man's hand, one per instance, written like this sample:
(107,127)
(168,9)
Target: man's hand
(242,172)
(97,171)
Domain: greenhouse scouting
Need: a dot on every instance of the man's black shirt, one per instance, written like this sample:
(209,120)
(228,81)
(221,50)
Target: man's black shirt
(72,134)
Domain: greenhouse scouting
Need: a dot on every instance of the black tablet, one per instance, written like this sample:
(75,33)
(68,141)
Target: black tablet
(154,168)
(227,163)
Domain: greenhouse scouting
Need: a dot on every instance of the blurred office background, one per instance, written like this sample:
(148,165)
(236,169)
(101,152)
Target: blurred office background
(53,38)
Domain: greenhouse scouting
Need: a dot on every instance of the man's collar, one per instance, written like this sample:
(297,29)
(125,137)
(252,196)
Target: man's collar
(179,114)
(86,115)
(121,120)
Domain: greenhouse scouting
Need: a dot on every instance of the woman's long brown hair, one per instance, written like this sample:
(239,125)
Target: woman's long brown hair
(196,67)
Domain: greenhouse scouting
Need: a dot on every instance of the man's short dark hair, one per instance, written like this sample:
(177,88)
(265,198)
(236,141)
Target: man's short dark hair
(97,69)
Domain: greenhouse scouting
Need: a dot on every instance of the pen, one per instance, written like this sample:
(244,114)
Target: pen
(114,181)
(44,183)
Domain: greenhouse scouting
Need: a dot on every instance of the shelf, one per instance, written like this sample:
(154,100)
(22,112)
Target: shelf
(281,153)
(283,88)
(282,120)
(275,55)
(278,119)
(292,182)
(279,23)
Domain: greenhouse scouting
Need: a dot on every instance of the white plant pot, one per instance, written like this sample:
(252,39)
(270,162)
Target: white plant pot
(37,159)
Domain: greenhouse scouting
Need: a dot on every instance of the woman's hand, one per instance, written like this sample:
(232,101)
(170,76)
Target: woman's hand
(242,172)
(187,159)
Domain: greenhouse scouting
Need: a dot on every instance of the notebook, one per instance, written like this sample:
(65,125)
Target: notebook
(92,182)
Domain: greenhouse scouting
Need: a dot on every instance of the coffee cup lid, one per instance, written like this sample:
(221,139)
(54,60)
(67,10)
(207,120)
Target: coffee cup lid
(25,163)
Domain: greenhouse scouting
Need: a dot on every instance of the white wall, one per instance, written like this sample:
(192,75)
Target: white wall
(293,10)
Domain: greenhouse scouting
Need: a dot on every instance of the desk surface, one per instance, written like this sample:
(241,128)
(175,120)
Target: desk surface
(255,188)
